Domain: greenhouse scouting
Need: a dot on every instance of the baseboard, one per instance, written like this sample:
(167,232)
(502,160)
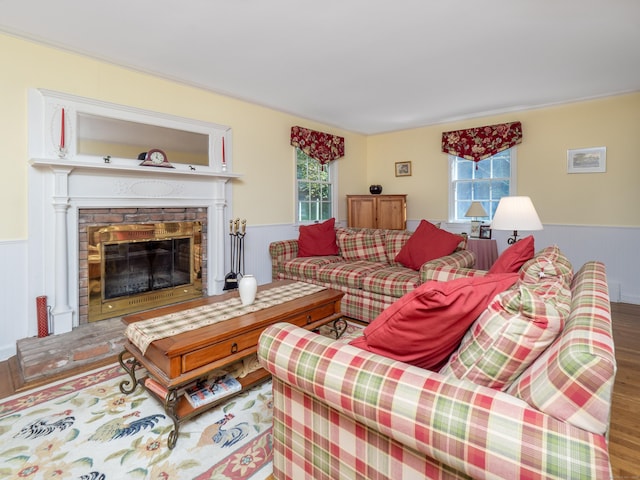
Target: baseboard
(7,351)
(634,299)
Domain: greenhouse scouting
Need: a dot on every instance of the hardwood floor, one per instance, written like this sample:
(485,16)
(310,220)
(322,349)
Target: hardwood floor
(624,437)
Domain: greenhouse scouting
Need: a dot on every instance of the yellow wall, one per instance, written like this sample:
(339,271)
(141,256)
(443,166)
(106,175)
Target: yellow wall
(264,195)
(261,150)
(610,198)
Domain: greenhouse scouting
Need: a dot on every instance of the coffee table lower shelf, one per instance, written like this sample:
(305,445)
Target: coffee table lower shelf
(180,360)
(176,406)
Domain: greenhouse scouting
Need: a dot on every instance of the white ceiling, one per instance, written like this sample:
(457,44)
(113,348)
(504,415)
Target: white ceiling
(368,66)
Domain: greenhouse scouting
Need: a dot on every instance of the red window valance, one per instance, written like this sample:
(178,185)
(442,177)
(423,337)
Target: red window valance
(319,145)
(482,142)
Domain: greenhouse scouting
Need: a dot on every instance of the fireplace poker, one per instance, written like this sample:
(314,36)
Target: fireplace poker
(241,234)
(236,232)
(231,278)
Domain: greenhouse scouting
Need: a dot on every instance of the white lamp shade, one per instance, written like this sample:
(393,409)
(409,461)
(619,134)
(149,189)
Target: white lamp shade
(516,213)
(476,210)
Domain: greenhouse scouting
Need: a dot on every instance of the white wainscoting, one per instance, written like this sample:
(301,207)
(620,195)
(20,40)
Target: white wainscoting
(617,247)
(256,247)
(13,297)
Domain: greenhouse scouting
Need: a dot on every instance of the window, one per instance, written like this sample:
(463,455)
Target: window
(493,179)
(314,189)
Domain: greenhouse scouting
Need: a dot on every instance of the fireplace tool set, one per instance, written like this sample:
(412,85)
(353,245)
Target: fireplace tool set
(237,232)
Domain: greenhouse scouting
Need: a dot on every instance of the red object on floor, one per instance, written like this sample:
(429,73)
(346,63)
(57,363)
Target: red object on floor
(43,316)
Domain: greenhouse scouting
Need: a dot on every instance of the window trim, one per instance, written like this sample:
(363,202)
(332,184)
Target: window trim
(333,175)
(512,183)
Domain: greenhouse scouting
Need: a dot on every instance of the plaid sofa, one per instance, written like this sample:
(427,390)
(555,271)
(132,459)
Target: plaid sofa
(341,412)
(365,269)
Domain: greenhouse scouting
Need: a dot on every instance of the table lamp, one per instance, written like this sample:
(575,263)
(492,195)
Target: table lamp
(476,210)
(516,213)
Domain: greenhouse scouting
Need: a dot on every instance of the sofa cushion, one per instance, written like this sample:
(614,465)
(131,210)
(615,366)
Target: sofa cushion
(511,333)
(307,267)
(514,257)
(573,379)
(425,326)
(318,239)
(392,281)
(547,263)
(426,243)
(362,245)
(346,274)
(396,239)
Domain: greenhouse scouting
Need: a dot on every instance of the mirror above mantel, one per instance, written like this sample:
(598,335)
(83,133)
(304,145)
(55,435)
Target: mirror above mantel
(99,136)
(68,129)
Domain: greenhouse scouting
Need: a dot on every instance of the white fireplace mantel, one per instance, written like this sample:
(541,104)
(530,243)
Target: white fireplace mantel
(60,186)
(59,190)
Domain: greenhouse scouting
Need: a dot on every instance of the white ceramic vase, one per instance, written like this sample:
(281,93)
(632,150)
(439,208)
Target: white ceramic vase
(247,286)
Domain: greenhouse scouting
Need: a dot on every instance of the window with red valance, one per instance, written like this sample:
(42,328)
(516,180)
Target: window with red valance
(476,144)
(321,146)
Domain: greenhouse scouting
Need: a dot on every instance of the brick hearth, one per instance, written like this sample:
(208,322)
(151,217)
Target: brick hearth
(86,344)
(91,342)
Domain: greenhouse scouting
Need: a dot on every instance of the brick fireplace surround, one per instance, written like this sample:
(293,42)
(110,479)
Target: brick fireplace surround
(65,180)
(125,216)
(96,341)
(83,194)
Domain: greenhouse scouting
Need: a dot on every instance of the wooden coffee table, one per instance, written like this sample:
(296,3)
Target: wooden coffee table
(183,359)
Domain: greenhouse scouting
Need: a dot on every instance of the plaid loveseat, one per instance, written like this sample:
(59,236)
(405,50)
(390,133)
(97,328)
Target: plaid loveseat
(342,412)
(365,269)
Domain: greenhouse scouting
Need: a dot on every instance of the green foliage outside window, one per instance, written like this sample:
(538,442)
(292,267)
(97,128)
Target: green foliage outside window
(314,189)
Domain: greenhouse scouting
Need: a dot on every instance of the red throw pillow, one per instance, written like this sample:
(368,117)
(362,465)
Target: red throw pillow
(427,243)
(514,257)
(426,326)
(318,239)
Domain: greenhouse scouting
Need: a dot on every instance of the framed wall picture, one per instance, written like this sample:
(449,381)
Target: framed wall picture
(403,169)
(485,231)
(587,160)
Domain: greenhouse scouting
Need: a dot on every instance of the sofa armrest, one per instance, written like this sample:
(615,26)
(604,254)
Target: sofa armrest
(458,259)
(446,273)
(281,251)
(482,432)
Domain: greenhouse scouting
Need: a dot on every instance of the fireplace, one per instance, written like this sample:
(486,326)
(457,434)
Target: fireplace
(65,184)
(85,196)
(133,267)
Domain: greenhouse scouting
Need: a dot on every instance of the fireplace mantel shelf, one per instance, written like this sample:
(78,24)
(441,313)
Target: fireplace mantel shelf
(117,166)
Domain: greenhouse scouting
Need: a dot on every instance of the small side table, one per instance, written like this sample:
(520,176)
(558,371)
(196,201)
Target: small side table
(486,251)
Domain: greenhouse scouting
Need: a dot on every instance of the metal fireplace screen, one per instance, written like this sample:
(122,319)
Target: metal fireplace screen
(141,266)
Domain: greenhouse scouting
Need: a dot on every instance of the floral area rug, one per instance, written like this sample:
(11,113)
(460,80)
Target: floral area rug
(85,428)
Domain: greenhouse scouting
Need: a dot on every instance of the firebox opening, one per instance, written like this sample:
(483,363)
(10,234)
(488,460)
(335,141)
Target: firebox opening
(140,266)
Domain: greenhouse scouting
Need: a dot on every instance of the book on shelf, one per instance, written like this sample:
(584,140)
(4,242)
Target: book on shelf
(155,387)
(204,392)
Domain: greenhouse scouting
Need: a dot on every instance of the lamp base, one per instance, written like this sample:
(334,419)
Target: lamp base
(514,239)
